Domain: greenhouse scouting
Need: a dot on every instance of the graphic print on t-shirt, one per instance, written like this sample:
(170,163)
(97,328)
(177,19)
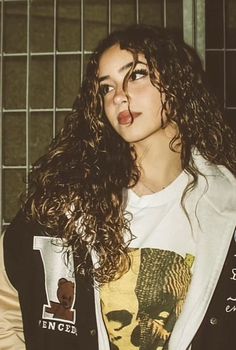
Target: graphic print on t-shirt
(59,280)
(141,308)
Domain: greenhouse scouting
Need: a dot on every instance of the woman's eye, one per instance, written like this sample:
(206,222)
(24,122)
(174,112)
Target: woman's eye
(138,74)
(104,89)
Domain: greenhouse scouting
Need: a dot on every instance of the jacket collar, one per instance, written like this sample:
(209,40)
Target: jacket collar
(213,222)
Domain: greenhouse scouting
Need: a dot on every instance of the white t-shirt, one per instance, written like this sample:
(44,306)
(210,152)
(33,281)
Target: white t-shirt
(139,310)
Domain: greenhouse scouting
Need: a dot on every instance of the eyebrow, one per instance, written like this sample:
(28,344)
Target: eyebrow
(126,66)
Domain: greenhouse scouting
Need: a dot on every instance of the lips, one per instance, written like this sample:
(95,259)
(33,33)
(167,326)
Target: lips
(126,117)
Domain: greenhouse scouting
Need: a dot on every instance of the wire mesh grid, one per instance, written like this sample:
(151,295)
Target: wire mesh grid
(44,46)
(221,54)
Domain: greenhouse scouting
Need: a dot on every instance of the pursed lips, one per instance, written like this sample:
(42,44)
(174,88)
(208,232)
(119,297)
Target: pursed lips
(126,117)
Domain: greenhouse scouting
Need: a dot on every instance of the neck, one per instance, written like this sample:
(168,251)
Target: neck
(158,164)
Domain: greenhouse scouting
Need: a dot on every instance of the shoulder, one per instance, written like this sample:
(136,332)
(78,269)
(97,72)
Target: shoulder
(21,227)
(217,185)
(17,246)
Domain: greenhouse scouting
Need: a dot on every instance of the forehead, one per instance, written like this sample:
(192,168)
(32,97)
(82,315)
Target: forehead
(114,58)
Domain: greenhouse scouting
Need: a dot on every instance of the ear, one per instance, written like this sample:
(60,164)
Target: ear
(61,281)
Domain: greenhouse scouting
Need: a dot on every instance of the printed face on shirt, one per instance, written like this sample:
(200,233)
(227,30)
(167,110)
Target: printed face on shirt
(141,97)
(140,308)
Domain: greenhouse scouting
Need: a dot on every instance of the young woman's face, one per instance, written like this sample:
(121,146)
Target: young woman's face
(144,99)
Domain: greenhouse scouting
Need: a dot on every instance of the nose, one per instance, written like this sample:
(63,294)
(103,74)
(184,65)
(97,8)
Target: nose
(119,96)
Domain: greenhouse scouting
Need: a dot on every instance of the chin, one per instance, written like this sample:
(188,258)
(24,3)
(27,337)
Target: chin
(132,140)
(133,136)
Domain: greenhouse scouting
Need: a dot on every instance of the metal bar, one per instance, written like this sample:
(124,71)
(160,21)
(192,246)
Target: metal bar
(109,16)
(14,110)
(1,117)
(188,22)
(164,14)
(14,167)
(19,54)
(82,39)
(27,96)
(137,12)
(194,25)
(74,52)
(57,53)
(224,52)
(200,30)
(86,52)
(13,1)
(54,67)
(58,109)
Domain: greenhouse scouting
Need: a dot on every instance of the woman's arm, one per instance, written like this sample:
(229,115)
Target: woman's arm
(11,326)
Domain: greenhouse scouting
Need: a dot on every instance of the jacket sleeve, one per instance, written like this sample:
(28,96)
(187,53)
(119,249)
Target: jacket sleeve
(11,325)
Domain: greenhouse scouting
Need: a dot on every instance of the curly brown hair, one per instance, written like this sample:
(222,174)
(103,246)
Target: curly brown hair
(77,188)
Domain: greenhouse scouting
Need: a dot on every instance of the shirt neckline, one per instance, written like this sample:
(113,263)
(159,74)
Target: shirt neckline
(173,190)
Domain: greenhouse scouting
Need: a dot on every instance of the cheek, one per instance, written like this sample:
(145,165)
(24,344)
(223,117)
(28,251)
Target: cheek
(108,110)
(105,107)
(155,99)
(146,93)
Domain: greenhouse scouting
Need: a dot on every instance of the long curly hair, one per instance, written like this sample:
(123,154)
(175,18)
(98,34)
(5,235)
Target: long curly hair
(77,188)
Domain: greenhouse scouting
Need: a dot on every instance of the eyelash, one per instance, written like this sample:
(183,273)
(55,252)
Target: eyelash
(142,72)
(104,89)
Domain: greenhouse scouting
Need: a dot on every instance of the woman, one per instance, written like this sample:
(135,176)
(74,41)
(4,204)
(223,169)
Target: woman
(126,238)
